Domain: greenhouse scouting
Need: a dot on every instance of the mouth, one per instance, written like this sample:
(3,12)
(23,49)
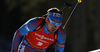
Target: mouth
(53,30)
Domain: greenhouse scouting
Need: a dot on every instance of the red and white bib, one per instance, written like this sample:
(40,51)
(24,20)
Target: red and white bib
(39,39)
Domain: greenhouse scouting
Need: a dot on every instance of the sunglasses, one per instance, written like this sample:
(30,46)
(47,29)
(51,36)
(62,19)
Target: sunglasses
(54,23)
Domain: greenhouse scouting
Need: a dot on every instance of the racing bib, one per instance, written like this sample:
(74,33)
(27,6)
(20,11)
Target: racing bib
(40,40)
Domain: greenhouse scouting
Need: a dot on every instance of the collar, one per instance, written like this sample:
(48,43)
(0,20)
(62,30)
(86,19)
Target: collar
(46,30)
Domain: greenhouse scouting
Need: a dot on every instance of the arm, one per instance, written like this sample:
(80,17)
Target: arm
(61,39)
(24,29)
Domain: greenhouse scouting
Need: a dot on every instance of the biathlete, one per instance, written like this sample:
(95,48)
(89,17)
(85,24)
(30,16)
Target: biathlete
(41,34)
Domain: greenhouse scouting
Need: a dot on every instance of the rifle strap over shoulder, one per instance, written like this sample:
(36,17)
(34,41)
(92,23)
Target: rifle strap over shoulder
(40,25)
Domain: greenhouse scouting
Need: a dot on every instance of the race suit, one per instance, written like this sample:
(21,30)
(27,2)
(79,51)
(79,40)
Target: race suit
(37,41)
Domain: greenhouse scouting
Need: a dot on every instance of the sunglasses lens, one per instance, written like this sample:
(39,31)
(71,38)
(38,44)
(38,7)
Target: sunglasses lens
(54,23)
(58,24)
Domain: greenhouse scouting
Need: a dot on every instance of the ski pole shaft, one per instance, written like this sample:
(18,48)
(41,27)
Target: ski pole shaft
(79,1)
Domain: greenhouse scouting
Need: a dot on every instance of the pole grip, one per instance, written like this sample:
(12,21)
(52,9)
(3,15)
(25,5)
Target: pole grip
(64,6)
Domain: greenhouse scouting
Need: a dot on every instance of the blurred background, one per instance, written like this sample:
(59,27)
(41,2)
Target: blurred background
(83,29)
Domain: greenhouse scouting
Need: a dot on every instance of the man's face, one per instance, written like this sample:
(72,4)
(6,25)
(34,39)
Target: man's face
(52,28)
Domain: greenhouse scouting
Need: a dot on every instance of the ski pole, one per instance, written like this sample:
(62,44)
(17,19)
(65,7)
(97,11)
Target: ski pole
(79,1)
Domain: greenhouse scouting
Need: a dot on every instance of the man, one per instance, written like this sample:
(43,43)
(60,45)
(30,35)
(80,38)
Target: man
(39,34)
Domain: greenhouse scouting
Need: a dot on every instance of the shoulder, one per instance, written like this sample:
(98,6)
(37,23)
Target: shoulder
(35,21)
(31,24)
(62,31)
(39,19)
(61,38)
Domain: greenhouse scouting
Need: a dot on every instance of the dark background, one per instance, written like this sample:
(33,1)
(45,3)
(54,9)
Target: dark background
(83,29)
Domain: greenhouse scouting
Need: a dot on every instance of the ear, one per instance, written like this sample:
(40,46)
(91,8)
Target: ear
(46,20)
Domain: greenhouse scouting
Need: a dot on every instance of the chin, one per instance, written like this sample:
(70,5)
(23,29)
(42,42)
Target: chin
(52,31)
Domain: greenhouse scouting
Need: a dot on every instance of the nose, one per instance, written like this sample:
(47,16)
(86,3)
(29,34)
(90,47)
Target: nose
(55,26)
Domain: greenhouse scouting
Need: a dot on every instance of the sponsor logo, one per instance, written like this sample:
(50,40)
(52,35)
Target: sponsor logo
(56,14)
(27,28)
(43,37)
(42,40)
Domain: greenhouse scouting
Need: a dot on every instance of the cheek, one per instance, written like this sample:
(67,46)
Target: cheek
(48,26)
(58,27)
(51,25)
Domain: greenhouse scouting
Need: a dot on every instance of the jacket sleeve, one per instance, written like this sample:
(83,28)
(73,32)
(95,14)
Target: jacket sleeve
(61,39)
(30,25)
